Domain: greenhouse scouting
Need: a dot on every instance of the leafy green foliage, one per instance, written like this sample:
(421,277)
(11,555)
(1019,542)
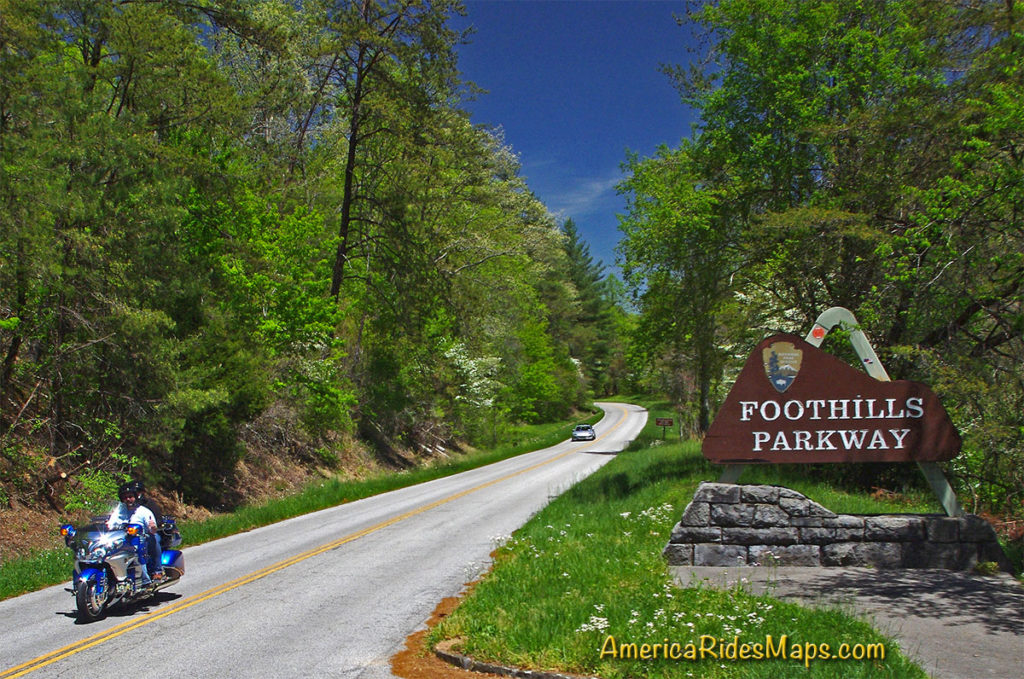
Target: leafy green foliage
(215,215)
(680,252)
(94,492)
(864,155)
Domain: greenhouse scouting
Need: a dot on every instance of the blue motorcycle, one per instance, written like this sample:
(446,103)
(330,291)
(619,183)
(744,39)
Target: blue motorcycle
(109,564)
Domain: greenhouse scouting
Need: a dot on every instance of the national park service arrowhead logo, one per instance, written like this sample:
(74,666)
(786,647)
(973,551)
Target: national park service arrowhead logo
(781,364)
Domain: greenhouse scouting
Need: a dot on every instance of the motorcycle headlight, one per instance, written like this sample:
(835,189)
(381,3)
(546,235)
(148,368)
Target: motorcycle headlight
(98,554)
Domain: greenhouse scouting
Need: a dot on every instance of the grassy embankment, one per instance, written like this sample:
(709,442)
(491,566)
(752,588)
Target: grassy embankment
(589,568)
(53,566)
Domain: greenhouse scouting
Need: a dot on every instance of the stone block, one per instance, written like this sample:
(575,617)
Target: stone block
(894,529)
(790,494)
(760,494)
(990,551)
(717,493)
(785,555)
(863,554)
(838,554)
(814,509)
(942,528)
(719,555)
(879,554)
(844,521)
(768,516)
(948,555)
(849,534)
(678,555)
(973,528)
(697,514)
(803,507)
(694,534)
(817,536)
(759,536)
(732,515)
(808,521)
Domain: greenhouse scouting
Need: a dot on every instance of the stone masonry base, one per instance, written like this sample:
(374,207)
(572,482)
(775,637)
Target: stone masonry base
(750,525)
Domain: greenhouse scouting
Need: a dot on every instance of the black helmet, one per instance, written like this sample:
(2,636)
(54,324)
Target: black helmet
(131,488)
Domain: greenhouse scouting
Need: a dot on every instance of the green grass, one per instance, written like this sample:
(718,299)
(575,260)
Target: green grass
(588,568)
(53,566)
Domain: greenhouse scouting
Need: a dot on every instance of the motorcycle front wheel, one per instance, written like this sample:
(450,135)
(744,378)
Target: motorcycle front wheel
(90,604)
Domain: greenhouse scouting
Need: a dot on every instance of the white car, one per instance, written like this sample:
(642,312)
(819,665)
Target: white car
(583,432)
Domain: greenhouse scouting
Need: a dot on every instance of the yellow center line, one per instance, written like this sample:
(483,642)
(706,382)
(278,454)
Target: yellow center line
(114,632)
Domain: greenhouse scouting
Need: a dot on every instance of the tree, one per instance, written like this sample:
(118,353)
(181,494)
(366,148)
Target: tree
(380,56)
(864,156)
(592,335)
(680,255)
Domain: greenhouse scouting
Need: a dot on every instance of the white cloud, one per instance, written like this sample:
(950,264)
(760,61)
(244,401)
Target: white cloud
(586,197)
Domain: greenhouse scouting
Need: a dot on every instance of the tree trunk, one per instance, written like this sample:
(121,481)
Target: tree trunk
(348,196)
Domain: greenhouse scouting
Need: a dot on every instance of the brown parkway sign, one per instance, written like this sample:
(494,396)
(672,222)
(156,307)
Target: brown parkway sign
(793,402)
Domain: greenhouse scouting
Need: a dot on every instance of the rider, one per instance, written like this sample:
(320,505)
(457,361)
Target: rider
(133,510)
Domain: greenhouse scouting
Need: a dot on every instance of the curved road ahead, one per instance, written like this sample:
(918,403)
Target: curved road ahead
(329,594)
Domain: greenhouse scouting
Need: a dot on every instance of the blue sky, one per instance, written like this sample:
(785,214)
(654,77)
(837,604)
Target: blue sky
(575,84)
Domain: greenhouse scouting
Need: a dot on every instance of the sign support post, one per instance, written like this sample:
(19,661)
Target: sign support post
(841,316)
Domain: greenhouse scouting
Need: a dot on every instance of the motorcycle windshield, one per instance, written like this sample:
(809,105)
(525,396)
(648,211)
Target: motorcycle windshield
(90,541)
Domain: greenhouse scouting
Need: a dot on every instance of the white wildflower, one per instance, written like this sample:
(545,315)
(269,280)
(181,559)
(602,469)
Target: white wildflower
(595,624)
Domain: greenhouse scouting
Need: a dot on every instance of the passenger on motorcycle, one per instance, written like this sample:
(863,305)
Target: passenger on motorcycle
(132,510)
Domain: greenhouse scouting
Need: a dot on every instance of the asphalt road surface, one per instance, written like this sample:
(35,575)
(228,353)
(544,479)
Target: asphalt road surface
(330,594)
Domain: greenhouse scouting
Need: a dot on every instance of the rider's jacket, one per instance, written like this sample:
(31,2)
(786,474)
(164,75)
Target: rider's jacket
(141,514)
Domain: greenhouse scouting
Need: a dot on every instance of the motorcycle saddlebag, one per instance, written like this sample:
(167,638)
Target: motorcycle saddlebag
(173,558)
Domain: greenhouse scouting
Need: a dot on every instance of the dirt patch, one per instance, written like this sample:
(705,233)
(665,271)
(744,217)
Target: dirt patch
(417,661)
(24,531)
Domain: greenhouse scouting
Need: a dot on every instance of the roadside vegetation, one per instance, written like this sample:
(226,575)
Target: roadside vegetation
(53,566)
(860,155)
(233,229)
(589,567)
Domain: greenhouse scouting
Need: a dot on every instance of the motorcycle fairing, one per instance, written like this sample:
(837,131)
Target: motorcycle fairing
(97,574)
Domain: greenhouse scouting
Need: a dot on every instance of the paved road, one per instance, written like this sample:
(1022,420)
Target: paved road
(331,594)
(956,625)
